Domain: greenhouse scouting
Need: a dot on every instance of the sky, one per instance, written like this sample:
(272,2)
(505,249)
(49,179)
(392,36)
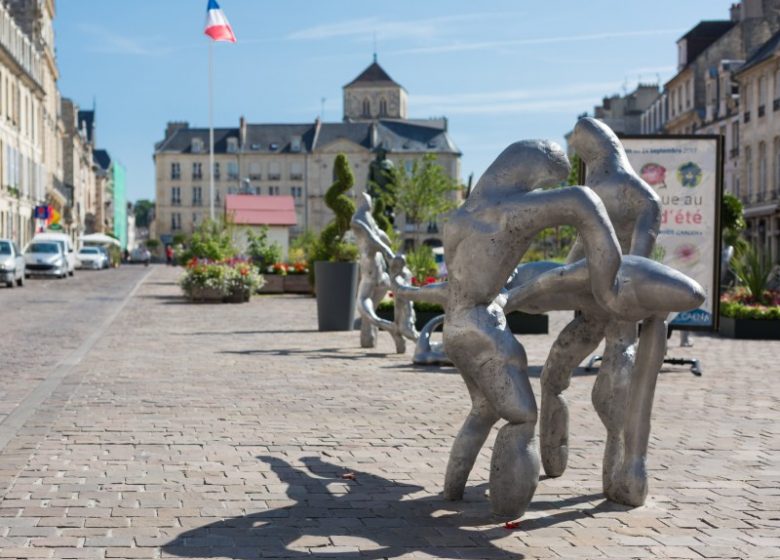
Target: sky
(500,71)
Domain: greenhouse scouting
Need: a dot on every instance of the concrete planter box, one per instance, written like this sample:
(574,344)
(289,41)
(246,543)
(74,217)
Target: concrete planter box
(757,329)
(297,284)
(518,323)
(206,295)
(274,284)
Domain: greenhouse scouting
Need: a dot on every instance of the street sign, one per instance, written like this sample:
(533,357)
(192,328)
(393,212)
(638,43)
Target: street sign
(41,213)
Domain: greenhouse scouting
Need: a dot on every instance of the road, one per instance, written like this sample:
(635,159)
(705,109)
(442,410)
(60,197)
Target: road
(157,428)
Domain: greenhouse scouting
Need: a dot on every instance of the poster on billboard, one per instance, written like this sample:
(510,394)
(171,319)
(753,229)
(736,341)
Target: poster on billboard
(686,173)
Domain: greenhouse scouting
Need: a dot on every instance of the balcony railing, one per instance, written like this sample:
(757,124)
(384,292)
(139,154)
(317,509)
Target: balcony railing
(761,197)
(175,202)
(19,47)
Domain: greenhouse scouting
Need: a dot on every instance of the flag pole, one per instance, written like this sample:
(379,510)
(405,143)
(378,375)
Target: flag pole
(211,131)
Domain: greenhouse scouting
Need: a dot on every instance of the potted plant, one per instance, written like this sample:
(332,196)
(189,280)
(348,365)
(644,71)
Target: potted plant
(335,266)
(274,279)
(751,310)
(230,281)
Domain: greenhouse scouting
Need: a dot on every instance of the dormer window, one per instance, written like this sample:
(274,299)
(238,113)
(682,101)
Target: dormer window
(273,146)
(295,144)
(366,108)
(197,145)
(232,145)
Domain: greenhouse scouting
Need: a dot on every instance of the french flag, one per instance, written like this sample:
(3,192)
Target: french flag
(217,25)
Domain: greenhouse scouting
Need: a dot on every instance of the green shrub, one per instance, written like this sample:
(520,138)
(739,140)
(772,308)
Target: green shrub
(753,270)
(737,310)
(212,241)
(262,252)
(422,263)
(331,245)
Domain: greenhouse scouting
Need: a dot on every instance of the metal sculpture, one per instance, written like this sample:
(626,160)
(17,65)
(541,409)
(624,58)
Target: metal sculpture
(375,253)
(484,239)
(634,210)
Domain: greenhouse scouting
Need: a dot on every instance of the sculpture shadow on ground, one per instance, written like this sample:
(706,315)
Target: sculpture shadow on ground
(310,354)
(366,508)
(234,333)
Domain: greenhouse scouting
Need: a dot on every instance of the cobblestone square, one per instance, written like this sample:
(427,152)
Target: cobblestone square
(163,429)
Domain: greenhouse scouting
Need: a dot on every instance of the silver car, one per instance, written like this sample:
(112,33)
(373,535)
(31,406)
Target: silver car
(91,257)
(11,264)
(45,258)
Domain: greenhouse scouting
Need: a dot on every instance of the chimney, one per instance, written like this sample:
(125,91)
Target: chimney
(173,126)
(242,131)
(735,12)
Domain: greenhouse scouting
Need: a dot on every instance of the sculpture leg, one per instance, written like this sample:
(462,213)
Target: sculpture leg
(611,393)
(576,341)
(514,466)
(629,485)
(468,442)
(368,333)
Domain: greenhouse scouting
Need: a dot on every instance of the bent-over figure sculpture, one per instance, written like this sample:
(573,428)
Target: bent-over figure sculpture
(484,239)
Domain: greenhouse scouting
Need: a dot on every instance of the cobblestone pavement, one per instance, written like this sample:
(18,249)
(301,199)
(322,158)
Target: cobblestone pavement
(225,431)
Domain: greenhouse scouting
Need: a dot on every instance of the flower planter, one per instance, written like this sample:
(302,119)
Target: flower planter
(758,329)
(241,296)
(274,284)
(206,295)
(297,284)
(336,294)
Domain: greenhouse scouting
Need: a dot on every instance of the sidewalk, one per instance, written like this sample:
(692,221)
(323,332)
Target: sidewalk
(223,431)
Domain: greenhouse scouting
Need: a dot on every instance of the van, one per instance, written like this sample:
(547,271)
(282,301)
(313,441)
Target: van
(67,247)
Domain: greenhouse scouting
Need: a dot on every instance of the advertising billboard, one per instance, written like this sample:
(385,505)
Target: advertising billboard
(686,173)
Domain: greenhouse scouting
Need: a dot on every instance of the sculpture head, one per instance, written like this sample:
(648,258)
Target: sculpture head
(592,139)
(525,166)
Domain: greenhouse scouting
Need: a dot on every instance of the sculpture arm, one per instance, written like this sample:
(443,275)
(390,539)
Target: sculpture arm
(432,293)
(646,229)
(582,208)
(375,238)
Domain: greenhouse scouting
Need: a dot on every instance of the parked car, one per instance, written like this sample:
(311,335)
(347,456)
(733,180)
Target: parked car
(45,258)
(11,264)
(92,257)
(140,255)
(103,249)
(63,241)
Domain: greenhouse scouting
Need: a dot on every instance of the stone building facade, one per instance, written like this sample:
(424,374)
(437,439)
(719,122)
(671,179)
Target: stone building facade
(294,159)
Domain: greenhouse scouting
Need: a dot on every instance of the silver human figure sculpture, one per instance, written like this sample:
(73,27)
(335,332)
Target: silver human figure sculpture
(404,316)
(625,387)
(484,240)
(375,252)
(635,212)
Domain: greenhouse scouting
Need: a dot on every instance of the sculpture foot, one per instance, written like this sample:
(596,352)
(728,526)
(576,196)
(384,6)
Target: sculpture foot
(555,459)
(629,486)
(514,470)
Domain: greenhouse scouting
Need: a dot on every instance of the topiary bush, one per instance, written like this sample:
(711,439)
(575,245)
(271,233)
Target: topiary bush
(331,245)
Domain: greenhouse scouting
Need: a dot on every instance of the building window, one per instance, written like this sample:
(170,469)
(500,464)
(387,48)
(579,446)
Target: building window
(197,196)
(232,171)
(197,170)
(216,171)
(175,221)
(273,191)
(274,171)
(255,171)
(366,108)
(383,107)
(762,176)
(762,96)
(297,192)
(232,145)
(175,196)
(217,196)
(749,171)
(777,166)
(296,171)
(195,219)
(175,170)
(197,145)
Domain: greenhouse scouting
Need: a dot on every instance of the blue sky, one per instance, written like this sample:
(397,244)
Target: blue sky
(500,70)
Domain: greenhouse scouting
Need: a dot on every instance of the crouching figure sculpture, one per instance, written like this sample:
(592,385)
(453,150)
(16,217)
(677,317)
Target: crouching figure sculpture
(484,240)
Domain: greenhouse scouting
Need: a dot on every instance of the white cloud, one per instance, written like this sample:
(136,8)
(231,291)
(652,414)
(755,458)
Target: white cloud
(366,28)
(490,45)
(563,98)
(113,43)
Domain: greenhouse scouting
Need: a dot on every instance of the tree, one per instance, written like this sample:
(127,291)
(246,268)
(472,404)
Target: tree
(424,193)
(143,210)
(331,245)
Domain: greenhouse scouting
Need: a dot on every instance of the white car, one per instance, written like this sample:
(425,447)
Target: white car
(11,264)
(45,258)
(63,241)
(92,257)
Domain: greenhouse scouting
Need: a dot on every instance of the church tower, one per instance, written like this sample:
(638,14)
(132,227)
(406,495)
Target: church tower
(374,95)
